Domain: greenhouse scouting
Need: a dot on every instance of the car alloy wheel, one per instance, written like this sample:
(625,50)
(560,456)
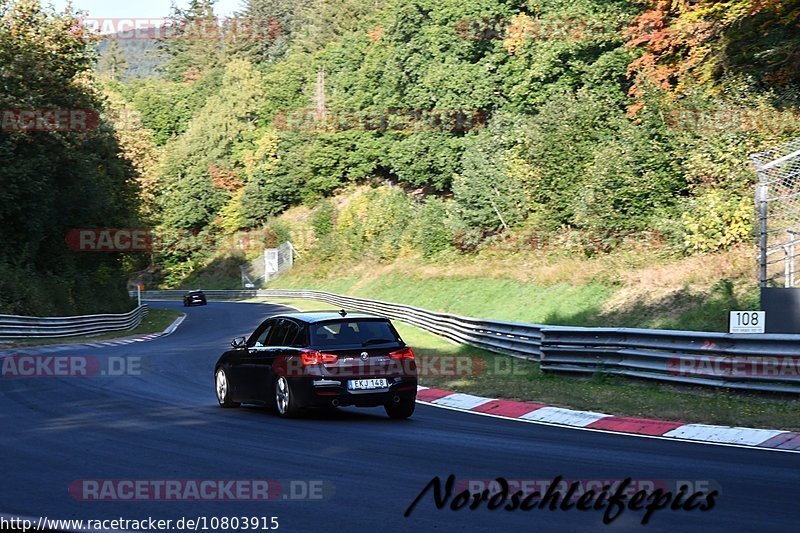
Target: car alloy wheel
(284,399)
(223,389)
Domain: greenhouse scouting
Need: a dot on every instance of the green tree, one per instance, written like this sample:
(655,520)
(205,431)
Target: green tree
(321,22)
(432,232)
(196,42)
(167,107)
(487,193)
(113,63)
(190,196)
(274,23)
(60,180)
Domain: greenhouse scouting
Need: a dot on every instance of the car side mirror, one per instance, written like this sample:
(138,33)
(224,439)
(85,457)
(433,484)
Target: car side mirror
(238,342)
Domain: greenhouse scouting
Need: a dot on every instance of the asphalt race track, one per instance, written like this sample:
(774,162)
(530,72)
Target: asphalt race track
(164,424)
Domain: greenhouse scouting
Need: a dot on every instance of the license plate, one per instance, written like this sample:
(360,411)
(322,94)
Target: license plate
(367,384)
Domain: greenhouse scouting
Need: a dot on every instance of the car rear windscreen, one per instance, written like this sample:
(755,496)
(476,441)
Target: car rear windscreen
(352,333)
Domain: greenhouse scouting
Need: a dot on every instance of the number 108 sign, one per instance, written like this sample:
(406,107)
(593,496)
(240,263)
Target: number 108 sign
(747,321)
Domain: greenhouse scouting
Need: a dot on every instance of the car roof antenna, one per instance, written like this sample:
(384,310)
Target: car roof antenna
(342,312)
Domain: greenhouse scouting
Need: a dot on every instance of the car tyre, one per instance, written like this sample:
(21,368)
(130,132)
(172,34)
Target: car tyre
(285,400)
(223,389)
(401,409)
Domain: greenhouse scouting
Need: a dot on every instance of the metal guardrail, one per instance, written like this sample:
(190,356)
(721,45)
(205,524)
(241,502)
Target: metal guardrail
(764,362)
(66,326)
(510,338)
(174,294)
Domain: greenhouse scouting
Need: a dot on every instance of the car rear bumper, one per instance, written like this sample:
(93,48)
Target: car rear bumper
(319,392)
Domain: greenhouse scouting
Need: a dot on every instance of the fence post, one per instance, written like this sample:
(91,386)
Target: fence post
(763,207)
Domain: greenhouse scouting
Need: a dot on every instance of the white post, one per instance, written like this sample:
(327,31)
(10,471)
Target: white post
(791,256)
(139,294)
(785,265)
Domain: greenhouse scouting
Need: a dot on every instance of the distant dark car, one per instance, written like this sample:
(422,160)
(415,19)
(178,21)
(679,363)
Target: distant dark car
(319,359)
(194,297)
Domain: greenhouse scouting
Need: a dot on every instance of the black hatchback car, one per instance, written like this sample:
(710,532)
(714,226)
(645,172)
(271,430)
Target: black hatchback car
(194,297)
(319,359)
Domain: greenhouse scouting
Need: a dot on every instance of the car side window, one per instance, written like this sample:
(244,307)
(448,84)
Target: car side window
(261,340)
(278,334)
(301,339)
(260,335)
(292,332)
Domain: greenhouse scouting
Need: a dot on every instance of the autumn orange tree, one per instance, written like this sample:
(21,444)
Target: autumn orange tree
(685,41)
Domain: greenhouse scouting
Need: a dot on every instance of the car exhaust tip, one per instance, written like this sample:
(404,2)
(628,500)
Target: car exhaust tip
(335,403)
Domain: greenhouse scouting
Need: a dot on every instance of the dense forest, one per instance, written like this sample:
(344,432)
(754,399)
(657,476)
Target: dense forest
(56,179)
(471,124)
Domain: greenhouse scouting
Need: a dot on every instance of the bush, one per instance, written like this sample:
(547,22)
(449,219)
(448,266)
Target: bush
(281,230)
(323,219)
(631,179)
(468,240)
(374,223)
(717,220)
(560,145)
(267,195)
(432,234)
(487,193)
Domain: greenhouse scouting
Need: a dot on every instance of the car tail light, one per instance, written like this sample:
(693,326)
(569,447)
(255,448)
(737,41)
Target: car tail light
(405,353)
(316,358)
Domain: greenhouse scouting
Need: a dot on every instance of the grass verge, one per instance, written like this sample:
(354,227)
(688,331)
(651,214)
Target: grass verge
(668,296)
(499,376)
(155,321)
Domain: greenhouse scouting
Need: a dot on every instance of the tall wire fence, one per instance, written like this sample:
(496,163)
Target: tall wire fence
(268,265)
(778,201)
